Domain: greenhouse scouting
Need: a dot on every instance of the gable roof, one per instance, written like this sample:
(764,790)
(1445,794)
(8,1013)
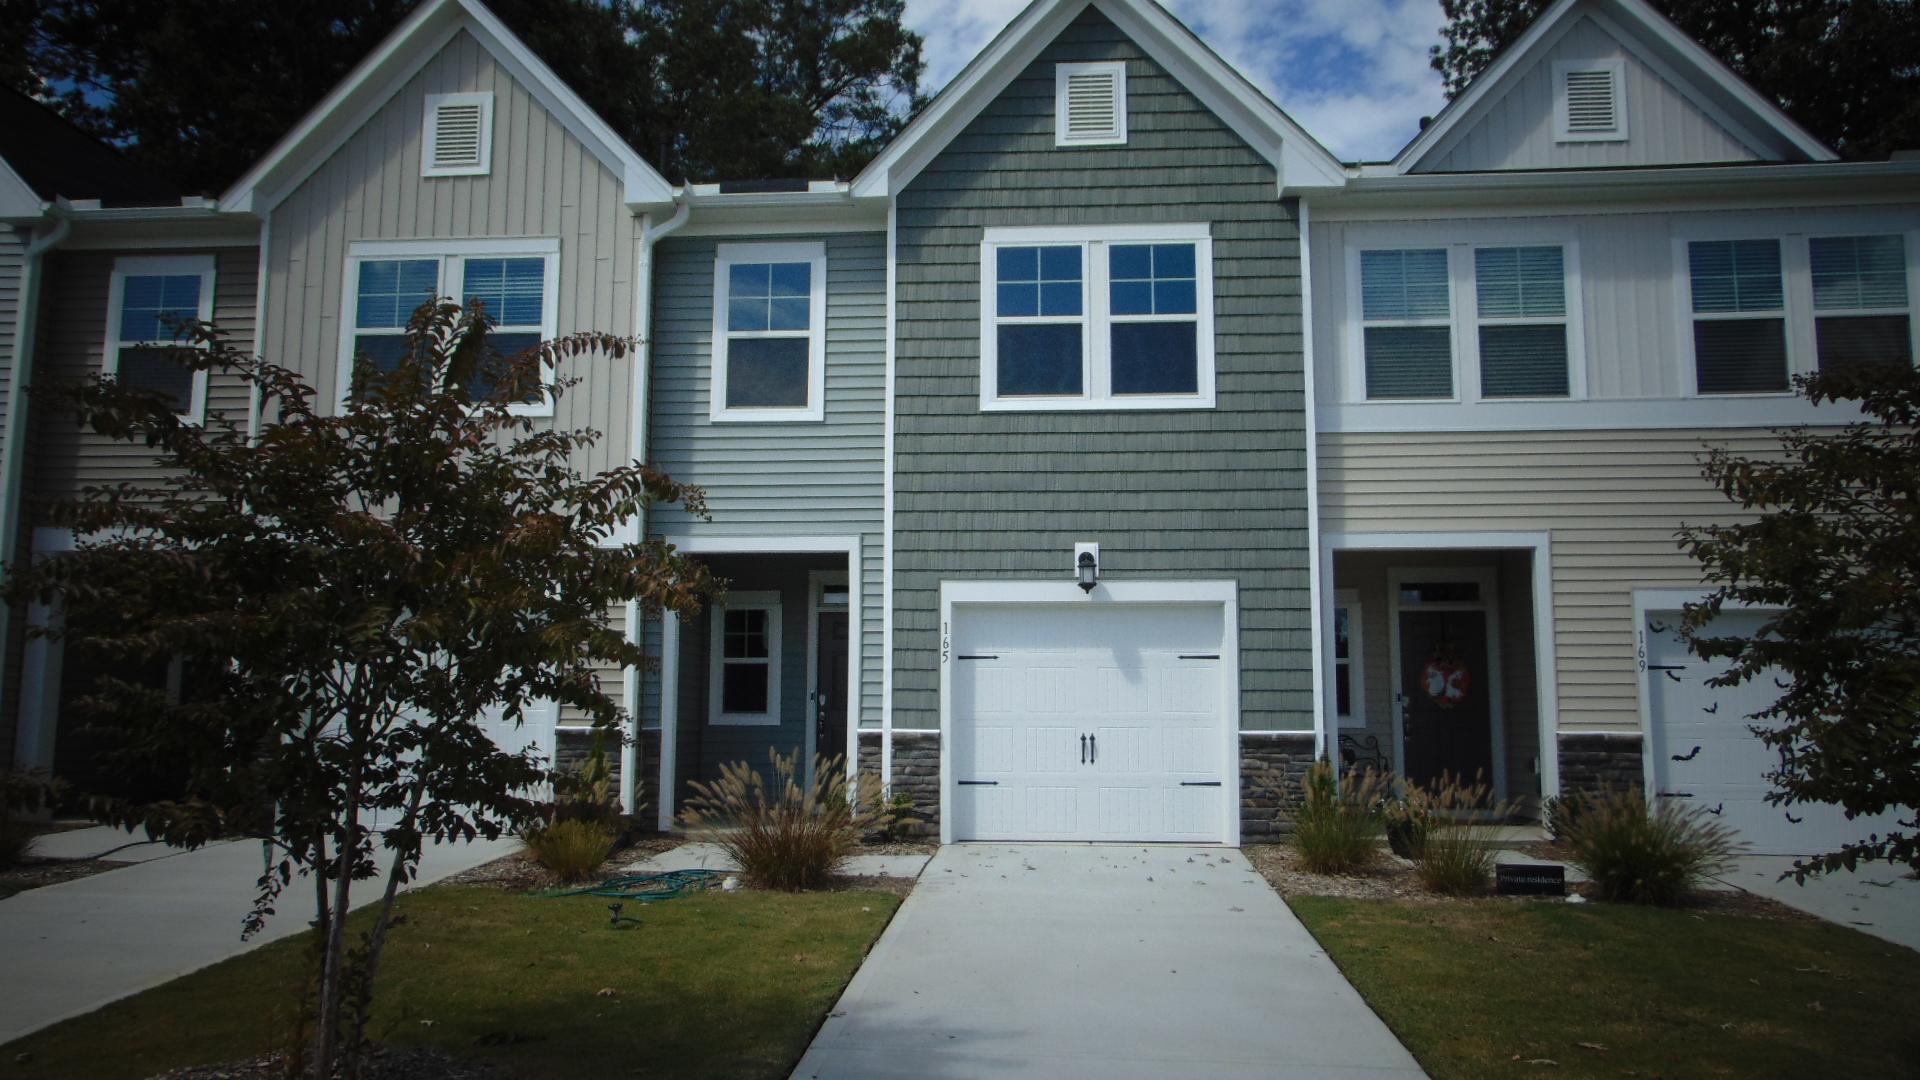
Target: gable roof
(44,157)
(1296,156)
(376,79)
(1704,78)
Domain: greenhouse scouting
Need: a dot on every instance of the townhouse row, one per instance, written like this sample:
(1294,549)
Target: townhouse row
(1105,451)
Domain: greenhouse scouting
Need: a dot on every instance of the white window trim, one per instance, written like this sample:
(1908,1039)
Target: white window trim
(140,265)
(1561,126)
(1096,372)
(1795,282)
(430,131)
(1062,74)
(1356,660)
(1463,303)
(725,256)
(768,602)
(451,256)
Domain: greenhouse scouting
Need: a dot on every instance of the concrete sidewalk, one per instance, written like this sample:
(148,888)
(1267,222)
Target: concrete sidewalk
(1876,899)
(1094,961)
(73,947)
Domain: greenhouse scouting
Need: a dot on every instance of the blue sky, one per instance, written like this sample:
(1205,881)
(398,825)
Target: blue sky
(1354,73)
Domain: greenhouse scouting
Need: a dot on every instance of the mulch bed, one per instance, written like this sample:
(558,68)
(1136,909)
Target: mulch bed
(381,1064)
(32,873)
(520,872)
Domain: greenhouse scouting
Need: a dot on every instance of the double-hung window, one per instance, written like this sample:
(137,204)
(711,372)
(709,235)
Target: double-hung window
(149,297)
(514,281)
(1101,317)
(1520,297)
(1349,703)
(1738,299)
(769,332)
(1861,306)
(1406,308)
(744,671)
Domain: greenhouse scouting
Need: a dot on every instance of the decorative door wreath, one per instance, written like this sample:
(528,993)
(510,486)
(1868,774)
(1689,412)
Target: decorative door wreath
(1445,679)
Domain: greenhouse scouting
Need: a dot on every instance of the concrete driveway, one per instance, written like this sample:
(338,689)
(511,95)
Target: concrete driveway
(73,947)
(1096,961)
(1877,899)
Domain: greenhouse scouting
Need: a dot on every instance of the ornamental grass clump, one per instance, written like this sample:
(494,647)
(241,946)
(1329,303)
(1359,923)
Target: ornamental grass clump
(1647,855)
(571,850)
(1454,856)
(782,831)
(1338,825)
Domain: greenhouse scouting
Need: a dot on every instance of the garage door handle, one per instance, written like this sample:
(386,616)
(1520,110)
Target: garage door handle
(1666,667)
(1093,748)
(1199,783)
(1676,794)
(1083,749)
(979,783)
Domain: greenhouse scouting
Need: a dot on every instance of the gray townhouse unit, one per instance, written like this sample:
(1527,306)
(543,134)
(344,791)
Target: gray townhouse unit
(1106,451)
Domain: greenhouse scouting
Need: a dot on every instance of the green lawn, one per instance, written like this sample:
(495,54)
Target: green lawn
(716,984)
(1494,989)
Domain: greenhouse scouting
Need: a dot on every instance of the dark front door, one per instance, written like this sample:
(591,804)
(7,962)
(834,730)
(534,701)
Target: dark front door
(1445,702)
(830,706)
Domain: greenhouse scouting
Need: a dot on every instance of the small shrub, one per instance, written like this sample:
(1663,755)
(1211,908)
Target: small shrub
(1643,855)
(1561,812)
(1337,828)
(23,795)
(894,817)
(572,850)
(1408,822)
(784,834)
(586,791)
(1454,857)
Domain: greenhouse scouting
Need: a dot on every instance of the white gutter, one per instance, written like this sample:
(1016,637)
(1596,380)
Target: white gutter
(13,448)
(1614,181)
(642,365)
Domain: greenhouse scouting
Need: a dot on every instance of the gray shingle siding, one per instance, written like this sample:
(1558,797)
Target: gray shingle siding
(1204,494)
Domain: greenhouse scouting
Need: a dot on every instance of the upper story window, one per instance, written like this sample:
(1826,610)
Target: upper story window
(148,297)
(1406,308)
(769,332)
(515,280)
(1739,305)
(1097,318)
(1861,305)
(1589,101)
(457,136)
(745,661)
(1521,301)
(1090,104)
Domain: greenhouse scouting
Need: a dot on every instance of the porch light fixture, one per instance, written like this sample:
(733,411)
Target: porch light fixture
(1086,565)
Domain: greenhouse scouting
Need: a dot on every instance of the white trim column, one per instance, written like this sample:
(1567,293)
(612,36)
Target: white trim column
(669,713)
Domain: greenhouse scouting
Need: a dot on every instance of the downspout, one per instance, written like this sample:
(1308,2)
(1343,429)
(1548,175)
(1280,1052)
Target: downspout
(642,366)
(12,452)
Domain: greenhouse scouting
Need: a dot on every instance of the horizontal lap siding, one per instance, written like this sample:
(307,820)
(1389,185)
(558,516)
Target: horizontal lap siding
(1611,500)
(1204,494)
(13,249)
(819,478)
(72,346)
(544,183)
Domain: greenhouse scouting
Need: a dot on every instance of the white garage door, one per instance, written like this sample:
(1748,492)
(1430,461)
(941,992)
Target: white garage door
(1076,722)
(1705,753)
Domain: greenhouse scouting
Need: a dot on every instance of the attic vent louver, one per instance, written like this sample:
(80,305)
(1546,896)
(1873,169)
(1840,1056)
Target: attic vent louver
(1090,104)
(458,140)
(1589,105)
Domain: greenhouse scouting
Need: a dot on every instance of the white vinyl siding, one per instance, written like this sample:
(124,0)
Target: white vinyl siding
(1861,301)
(769,332)
(1090,104)
(148,298)
(1520,297)
(1407,331)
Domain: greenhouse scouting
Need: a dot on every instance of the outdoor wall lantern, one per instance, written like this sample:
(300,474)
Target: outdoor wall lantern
(1086,565)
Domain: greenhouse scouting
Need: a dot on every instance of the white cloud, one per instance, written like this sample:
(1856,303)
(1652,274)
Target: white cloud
(1354,73)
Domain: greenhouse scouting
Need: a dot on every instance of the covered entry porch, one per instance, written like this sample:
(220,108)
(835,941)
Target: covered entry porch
(1438,659)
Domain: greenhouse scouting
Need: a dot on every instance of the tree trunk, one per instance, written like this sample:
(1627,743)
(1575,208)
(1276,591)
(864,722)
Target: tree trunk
(326,1036)
(377,940)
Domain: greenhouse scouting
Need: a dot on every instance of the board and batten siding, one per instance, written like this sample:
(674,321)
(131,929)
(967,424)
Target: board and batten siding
(1612,502)
(1630,280)
(1205,494)
(544,183)
(1516,130)
(766,479)
(72,345)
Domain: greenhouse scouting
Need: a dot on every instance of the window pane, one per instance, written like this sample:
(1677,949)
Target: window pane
(157,370)
(1740,356)
(1342,635)
(1019,299)
(1049,275)
(791,279)
(494,367)
(1440,592)
(511,289)
(745,634)
(385,350)
(1152,279)
(1156,358)
(767,372)
(1735,275)
(391,290)
(1404,284)
(1131,297)
(1514,283)
(1038,359)
(1859,271)
(743,688)
(750,279)
(1863,339)
(1018,264)
(1343,689)
(1409,361)
(1523,361)
(151,305)
(748,313)
(789,313)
